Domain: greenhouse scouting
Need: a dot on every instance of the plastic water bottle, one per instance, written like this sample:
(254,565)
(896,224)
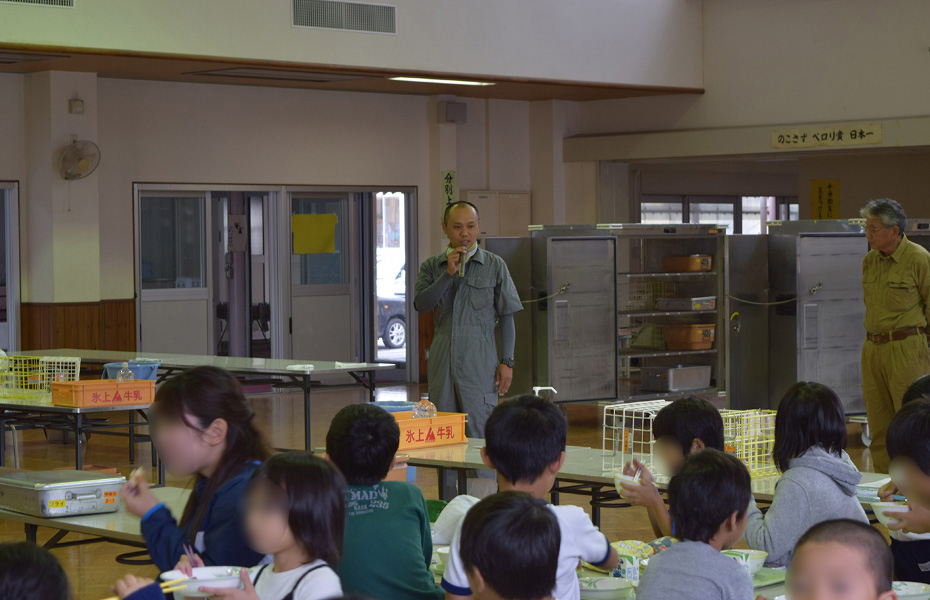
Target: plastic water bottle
(424,409)
(124,374)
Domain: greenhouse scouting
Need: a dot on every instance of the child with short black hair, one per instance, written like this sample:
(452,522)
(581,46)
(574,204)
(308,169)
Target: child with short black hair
(29,571)
(908,445)
(509,547)
(525,442)
(818,481)
(388,546)
(686,425)
(708,499)
(841,559)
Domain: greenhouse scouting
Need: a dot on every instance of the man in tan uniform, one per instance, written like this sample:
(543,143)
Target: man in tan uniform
(896,286)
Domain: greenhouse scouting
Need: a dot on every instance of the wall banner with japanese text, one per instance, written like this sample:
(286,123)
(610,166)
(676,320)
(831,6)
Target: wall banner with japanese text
(825,199)
(850,134)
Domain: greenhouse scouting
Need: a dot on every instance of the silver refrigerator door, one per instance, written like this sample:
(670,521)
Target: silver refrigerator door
(582,321)
(830,330)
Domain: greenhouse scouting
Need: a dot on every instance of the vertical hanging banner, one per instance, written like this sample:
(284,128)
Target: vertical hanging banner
(449,187)
(825,199)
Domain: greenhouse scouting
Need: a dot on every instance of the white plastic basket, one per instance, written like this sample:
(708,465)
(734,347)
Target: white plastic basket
(59,368)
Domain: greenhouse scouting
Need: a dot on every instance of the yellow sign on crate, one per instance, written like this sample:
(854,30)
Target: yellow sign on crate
(442,430)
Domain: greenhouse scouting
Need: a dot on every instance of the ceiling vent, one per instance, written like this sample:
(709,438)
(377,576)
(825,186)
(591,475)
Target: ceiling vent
(281,75)
(345,16)
(12,58)
(55,3)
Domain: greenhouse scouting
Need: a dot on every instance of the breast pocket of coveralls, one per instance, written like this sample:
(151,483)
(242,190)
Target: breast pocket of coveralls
(901,295)
(481,293)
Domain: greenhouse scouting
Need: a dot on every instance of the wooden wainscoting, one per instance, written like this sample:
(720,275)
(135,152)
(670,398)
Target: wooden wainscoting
(104,325)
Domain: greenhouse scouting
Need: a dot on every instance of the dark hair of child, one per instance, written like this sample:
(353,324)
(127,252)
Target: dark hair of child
(809,415)
(209,393)
(523,436)
(513,540)
(316,497)
(862,537)
(29,571)
(362,441)
(688,418)
(710,487)
(919,388)
(908,433)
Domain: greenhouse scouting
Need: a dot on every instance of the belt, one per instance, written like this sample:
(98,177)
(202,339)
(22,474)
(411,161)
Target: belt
(895,336)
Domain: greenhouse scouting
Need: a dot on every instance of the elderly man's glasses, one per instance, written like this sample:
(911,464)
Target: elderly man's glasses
(873,230)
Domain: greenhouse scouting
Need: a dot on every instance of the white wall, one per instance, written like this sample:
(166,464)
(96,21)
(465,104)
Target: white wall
(646,42)
(192,133)
(793,61)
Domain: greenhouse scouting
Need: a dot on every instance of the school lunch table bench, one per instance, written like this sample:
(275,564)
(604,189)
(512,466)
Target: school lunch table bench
(118,527)
(585,472)
(279,373)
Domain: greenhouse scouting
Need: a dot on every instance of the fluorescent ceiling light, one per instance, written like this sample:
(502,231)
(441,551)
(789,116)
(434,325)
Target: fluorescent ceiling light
(442,81)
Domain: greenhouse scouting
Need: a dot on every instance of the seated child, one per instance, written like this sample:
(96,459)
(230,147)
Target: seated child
(840,559)
(708,500)
(818,481)
(29,571)
(525,443)
(909,449)
(388,547)
(294,511)
(919,388)
(202,426)
(686,425)
(510,547)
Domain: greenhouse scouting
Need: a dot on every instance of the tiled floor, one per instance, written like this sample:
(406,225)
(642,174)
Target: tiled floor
(92,568)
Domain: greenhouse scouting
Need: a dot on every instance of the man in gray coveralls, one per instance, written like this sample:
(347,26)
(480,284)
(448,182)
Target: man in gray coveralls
(468,289)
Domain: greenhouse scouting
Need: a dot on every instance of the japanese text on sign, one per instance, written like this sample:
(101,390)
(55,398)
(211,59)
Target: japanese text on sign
(854,134)
(430,434)
(449,187)
(825,198)
(129,397)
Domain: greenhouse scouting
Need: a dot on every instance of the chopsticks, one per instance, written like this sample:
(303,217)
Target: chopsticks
(167,587)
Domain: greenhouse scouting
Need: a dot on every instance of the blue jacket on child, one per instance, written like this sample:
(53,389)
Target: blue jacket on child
(224,541)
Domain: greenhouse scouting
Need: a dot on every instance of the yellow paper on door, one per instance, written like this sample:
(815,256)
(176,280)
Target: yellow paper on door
(314,234)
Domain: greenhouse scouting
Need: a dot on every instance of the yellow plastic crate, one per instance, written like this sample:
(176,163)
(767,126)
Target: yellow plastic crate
(750,435)
(444,429)
(22,377)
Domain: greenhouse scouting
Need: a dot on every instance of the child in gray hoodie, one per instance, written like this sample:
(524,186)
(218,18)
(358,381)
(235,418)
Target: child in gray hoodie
(818,481)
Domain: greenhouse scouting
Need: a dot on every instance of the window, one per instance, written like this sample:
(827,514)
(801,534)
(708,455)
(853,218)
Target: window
(660,213)
(172,242)
(740,214)
(322,266)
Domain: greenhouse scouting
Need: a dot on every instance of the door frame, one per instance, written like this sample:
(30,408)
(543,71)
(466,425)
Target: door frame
(13,283)
(279,257)
(206,293)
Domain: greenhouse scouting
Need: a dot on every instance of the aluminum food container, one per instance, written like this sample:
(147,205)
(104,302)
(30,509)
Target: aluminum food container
(60,493)
(697,303)
(675,379)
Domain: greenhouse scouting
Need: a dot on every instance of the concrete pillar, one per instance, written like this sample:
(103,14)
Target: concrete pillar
(60,219)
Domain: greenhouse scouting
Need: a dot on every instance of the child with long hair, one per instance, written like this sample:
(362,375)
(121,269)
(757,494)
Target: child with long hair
(202,426)
(294,511)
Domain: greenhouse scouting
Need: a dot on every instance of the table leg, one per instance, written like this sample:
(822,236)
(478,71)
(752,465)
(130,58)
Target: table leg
(371,386)
(307,444)
(78,442)
(3,442)
(132,437)
(596,508)
(554,496)
(463,480)
(31,531)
